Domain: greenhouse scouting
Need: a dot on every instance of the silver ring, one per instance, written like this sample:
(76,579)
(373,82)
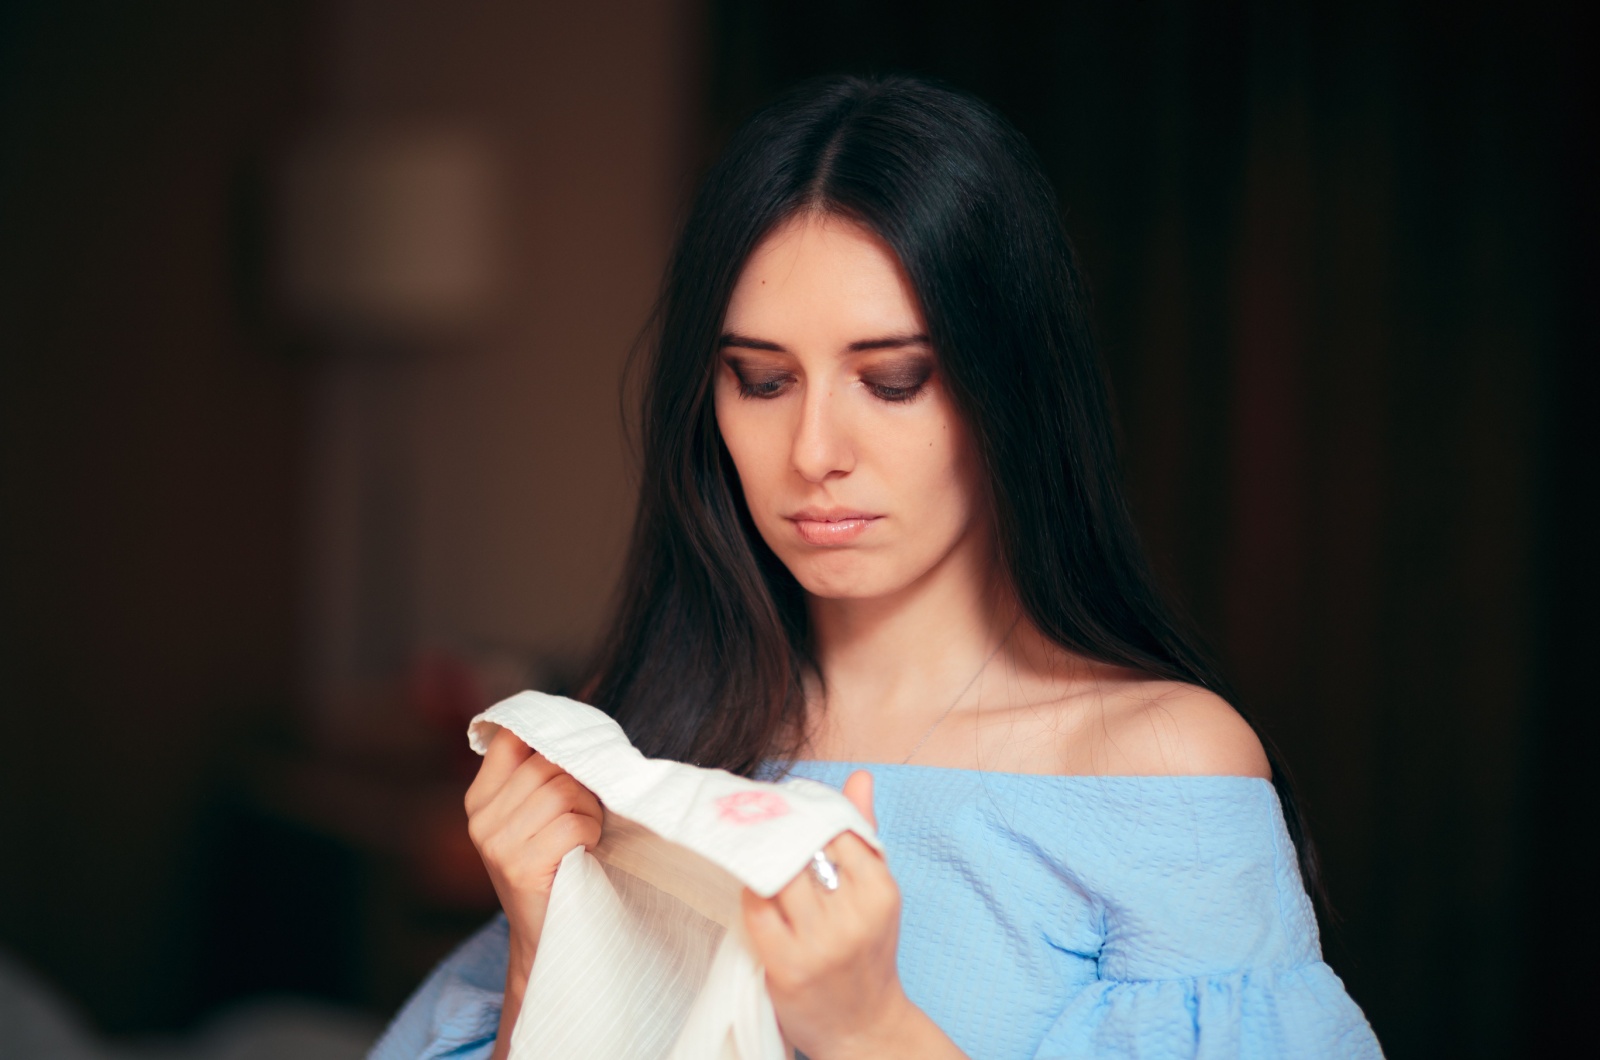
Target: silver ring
(824,871)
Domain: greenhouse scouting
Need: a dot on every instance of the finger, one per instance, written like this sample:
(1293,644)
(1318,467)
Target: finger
(858,789)
(801,902)
(526,805)
(559,782)
(764,923)
(587,802)
(516,812)
(505,753)
(530,858)
(857,860)
(566,832)
(583,800)
(506,750)
(534,773)
(565,791)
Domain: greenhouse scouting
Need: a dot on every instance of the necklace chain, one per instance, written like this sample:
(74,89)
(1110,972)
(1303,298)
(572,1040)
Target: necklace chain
(964,690)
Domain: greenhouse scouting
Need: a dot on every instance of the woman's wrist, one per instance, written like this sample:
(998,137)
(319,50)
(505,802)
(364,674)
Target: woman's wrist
(519,970)
(519,965)
(904,1031)
(520,951)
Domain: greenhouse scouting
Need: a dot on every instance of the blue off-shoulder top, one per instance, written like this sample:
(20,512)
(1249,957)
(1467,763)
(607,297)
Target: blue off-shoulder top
(1048,916)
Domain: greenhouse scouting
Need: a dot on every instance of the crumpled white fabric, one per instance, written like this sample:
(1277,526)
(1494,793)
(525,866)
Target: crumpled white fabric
(643,952)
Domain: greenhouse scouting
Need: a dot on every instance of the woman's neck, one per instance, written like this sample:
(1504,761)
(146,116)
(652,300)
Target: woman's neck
(891,666)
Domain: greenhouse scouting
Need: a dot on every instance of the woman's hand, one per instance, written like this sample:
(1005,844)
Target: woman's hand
(830,956)
(524,813)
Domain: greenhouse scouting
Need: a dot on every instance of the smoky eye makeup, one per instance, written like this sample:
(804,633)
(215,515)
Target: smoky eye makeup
(899,380)
(754,380)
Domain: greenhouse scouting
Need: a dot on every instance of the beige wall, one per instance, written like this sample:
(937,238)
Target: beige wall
(520,487)
(148,479)
(159,444)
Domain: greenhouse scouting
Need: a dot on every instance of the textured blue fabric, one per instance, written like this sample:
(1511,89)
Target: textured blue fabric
(1047,916)
(456,1011)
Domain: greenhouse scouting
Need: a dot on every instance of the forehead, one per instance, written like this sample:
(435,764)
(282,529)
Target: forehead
(826,277)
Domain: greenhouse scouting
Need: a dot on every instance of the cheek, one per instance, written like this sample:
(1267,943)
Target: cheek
(937,473)
(746,444)
(953,504)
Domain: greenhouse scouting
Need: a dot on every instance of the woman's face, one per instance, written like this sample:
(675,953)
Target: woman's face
(856,466)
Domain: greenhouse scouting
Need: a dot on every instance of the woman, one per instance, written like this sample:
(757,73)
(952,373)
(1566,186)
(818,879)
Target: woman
(881,527)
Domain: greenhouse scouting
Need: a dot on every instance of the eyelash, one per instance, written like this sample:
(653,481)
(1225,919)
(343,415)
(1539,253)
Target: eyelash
(898,395)
(894,395)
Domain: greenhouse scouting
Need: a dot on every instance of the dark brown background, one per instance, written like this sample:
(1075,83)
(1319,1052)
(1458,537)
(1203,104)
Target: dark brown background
(1342,261)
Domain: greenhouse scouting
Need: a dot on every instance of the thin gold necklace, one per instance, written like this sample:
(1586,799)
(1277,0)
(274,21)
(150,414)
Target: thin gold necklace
(964,690)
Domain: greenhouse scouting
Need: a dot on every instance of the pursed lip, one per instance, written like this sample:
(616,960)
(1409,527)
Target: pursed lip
(831,527)
(828,515)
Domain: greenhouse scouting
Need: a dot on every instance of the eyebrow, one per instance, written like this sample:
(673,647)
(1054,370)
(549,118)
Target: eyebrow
(887,342)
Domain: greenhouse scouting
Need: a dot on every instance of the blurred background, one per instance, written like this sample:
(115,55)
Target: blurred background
(312,320)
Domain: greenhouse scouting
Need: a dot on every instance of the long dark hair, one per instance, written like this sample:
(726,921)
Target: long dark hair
(704,657)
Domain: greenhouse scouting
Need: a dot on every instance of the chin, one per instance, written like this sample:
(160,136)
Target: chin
(844,577)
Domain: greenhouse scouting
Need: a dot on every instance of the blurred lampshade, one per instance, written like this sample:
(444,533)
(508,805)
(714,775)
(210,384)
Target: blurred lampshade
(388,233)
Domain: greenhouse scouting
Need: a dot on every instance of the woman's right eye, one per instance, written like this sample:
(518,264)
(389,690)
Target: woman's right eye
(761,388)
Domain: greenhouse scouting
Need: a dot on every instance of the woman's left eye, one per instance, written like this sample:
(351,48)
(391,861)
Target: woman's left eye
(898,382)
(896,393)
(761,388)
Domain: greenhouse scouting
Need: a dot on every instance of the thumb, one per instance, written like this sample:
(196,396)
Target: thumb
(858,789)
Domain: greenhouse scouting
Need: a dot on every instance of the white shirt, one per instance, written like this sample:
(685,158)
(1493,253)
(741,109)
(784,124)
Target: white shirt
(643,953)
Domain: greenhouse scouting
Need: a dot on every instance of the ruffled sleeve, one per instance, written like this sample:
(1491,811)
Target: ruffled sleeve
(1299,1012)
(1209,945)
(456,1011)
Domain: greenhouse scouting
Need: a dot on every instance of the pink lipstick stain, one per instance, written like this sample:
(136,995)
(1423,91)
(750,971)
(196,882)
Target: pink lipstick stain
(750,807)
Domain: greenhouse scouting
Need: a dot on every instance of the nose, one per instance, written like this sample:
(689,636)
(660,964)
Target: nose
(823,448)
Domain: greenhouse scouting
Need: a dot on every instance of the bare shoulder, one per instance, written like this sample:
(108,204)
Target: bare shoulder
(1162,728)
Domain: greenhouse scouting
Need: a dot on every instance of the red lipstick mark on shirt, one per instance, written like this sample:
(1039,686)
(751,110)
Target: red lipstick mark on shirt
(749,807)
